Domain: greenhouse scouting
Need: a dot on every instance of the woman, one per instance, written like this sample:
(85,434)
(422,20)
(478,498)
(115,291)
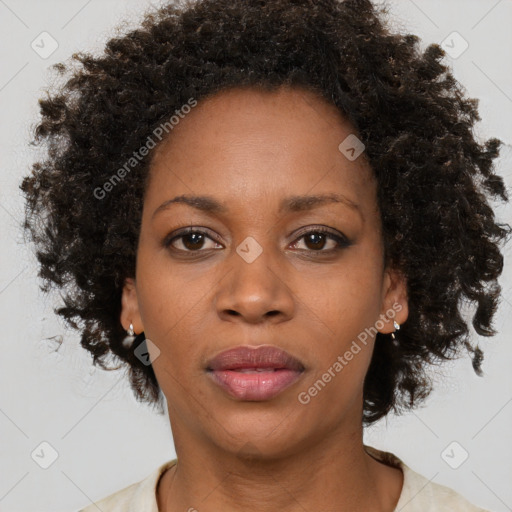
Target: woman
(270,212)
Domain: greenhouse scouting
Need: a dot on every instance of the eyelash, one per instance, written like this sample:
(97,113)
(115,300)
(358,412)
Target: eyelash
(341,240)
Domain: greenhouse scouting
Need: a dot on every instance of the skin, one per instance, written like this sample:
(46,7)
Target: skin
(250,149)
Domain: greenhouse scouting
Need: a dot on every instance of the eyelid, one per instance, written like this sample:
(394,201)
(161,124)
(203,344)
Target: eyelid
(322,229)
(186,231)
(342,240)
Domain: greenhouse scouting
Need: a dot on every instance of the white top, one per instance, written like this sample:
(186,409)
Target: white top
(418,493)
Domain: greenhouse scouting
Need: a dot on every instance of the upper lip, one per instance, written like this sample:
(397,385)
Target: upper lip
(262,356)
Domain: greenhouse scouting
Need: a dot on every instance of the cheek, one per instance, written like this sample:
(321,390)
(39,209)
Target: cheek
(342,347)
(345,304)
(345,296)
(166,291)
(168,303)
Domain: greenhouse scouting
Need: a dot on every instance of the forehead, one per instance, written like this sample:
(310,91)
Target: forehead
(247,145)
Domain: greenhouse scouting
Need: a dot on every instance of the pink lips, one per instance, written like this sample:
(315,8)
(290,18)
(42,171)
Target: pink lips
(254,373)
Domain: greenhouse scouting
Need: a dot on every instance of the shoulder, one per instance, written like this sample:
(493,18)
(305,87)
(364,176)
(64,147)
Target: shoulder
(137,497)
(420,494)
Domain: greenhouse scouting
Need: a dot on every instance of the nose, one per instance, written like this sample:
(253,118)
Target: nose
(255,291)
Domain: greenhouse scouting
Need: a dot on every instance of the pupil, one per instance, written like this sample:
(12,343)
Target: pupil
(317,239)
(197,240)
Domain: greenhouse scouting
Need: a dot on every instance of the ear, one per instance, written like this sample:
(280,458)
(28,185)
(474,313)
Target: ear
(395,305)
(130,307)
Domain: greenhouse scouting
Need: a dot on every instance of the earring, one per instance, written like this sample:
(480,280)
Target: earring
(128,340)
(396,325)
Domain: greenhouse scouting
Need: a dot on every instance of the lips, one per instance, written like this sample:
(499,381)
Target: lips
(254,373)
(261,357)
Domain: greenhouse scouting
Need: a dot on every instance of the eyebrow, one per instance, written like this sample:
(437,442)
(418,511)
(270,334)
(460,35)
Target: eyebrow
(209,204)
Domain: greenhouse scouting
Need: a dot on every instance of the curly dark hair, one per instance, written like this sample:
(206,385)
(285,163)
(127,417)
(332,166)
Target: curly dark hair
(435,180)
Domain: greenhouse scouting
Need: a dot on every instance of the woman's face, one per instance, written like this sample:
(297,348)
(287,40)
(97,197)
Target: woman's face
(255,277)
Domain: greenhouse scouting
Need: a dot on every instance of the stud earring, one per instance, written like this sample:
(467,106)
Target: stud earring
(128,340)
(396,325)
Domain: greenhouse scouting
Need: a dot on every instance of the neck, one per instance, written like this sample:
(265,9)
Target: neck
(333,474)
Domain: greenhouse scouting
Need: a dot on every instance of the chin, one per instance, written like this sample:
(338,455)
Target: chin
(252,432)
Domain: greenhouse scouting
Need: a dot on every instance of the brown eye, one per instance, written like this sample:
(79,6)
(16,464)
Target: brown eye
(316,240)
(191,240)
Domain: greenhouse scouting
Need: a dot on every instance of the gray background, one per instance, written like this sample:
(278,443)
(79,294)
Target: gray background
(104,439)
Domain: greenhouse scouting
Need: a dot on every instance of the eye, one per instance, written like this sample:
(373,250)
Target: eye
(316,239)
(191,239)
(194,239)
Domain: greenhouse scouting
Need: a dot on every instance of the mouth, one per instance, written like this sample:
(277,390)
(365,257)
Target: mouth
(254,373)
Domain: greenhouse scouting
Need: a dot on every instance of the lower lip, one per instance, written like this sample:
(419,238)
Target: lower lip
(255,386)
